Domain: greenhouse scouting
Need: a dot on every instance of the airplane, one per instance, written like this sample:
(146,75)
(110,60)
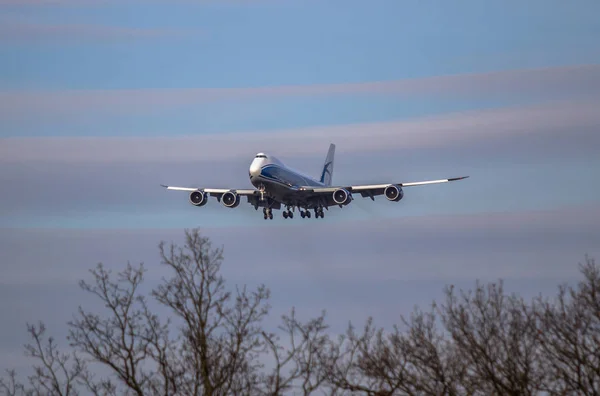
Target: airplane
(277,185)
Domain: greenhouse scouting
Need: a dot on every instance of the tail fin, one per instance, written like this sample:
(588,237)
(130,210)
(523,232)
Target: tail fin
(327,173)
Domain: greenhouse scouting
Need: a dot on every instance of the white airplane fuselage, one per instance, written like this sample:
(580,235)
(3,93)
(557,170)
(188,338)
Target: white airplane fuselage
(269,174)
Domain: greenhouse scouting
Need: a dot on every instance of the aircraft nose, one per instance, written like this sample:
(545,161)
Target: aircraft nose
(255,168)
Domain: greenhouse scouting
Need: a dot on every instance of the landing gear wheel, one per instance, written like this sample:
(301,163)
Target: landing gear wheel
(267,213)
(319,213)
(302,214)
(285,215)
(290,214)
(308,214)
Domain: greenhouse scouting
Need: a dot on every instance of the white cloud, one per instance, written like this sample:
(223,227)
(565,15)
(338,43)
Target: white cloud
(556,82)
(553,119)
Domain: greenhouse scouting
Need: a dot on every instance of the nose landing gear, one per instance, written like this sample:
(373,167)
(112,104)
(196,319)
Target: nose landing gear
(261,190)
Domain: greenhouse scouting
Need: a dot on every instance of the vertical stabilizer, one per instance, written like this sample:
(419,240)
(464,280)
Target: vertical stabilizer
(327,173)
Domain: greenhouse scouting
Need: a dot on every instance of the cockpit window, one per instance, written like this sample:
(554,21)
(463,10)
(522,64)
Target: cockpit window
(261,156)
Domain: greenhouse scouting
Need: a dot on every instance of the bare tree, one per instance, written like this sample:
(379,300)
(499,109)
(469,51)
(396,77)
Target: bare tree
(370,362)
(495,336)
(297,365)
(418,361)
(569,333)
(217,348)
(488,343)
(221,336)
(129,338)
(435,361)
(213,342)
(56,373)
(10,386)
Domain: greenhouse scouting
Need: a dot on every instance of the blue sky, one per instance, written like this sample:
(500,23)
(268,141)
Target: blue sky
(103,100)
(257,43)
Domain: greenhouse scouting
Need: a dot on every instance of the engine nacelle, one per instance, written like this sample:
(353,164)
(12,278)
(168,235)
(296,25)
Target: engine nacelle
(342,196)
(230,199)
(198,198)
(394,193)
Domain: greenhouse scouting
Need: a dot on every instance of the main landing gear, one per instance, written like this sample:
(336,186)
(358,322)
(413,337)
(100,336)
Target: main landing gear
(319,213)
(288,214)
(305,213)
(268,213)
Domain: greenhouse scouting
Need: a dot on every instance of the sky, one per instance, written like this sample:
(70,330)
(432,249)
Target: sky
(101,101)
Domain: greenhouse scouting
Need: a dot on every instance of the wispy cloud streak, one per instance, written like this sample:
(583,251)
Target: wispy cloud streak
(48,2)
(19,31)
(557,120)
(430,241)
(559,82)
(112,2)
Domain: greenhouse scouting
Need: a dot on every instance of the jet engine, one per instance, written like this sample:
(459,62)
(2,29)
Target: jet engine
(230,199)
(342,196)
(198,198)
(393,193)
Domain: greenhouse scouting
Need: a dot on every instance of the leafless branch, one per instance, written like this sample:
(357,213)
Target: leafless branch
(481,342)
(10,386)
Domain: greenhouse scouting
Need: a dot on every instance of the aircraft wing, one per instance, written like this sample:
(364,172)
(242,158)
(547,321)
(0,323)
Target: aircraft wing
(214,192)
(253,196)
(371,190)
